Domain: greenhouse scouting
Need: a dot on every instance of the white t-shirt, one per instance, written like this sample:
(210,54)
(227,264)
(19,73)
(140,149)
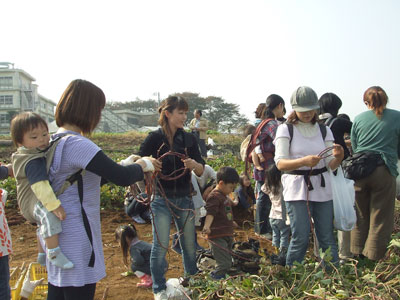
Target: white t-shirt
(307,140)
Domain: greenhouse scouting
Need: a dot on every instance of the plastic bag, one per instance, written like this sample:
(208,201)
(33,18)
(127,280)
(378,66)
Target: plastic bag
(343,201)
(175,291)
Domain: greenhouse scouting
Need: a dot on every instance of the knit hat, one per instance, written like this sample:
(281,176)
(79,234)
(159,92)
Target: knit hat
(304,99)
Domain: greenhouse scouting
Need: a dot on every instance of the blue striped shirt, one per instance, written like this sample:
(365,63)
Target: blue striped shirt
(72,154)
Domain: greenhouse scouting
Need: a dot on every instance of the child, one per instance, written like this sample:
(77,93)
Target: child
(139,251)
(30,134)
(219,221)
(277,216)
(5,240)
(244,199)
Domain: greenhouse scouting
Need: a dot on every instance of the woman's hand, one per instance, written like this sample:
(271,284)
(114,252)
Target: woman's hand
(190,163)
(156,163)
(338,152)
(311,160)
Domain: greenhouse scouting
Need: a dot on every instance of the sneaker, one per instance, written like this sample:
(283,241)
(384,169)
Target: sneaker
(138,219)
(161,295)
(145,281)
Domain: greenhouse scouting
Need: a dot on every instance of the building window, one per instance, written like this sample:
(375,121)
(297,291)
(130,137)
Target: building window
(4,120)
(44,106)
(6,100)
(6,82)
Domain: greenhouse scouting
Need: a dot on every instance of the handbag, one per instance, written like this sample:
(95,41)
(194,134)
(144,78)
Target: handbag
(344,213)
(361,165)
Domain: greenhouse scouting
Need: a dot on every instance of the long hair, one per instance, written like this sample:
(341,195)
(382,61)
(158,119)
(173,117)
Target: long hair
(124,234)
(80,105)
(169,104)
(376,97)
(249,191)
(273,179)
(272,102)
(24,122)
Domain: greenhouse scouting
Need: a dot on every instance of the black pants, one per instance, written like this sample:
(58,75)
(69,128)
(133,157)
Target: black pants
(85,292)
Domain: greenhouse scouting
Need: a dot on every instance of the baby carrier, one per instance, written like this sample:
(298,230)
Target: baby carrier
(25,196)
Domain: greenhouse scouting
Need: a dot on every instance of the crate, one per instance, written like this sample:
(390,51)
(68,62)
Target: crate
(17,276)
(37,272)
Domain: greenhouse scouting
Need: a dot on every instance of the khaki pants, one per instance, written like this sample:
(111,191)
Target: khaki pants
(375,214)
(344,244)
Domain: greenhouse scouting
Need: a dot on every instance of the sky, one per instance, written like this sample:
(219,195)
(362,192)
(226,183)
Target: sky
(239,50)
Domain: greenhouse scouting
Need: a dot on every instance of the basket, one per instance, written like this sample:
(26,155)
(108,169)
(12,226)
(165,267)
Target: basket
(17,276)
(37,272)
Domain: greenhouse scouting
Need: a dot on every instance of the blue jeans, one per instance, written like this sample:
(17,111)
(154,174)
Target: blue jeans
(184,222)
(280,233)
(322,214)
(5,292)
(263,206)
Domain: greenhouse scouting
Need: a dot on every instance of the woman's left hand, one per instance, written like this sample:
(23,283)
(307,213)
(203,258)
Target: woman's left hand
(190,163)
(337,151)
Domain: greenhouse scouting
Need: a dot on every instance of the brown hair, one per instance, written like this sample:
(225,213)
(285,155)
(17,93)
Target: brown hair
(293,118)
(80,105)
(23,123)
(169,104)
(259,113)
(376,98)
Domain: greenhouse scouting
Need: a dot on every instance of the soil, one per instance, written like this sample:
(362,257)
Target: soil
(114,285)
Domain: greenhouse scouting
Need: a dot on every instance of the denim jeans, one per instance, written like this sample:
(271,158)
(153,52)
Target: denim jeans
(5,292)
(322,214)
(182,209)
(280,233)
(263,206)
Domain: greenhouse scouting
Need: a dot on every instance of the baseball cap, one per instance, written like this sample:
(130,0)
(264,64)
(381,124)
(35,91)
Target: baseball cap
(304,99)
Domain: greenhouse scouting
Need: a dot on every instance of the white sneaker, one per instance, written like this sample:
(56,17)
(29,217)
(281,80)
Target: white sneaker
(161,295)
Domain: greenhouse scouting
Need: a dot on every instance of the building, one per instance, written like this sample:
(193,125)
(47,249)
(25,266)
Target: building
(138,118)
(18,93)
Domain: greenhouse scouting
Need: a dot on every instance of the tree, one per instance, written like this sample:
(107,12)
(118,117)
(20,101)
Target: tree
(221,115)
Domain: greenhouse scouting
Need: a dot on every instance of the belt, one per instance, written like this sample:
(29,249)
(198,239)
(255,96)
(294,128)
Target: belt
(308,173)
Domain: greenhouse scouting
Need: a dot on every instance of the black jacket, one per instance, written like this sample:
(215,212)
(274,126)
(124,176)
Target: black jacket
(156,140)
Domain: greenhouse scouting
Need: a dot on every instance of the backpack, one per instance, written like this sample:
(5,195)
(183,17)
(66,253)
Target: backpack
(27,199)
(322,128)
(252,141)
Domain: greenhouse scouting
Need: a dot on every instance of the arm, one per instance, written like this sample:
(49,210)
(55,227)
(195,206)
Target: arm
(4,172)
(36,174)
(137,258)
(207,224)
(106,168)
(203,125)
(284,163)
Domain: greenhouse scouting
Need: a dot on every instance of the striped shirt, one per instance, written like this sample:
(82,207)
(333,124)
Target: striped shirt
(74,153)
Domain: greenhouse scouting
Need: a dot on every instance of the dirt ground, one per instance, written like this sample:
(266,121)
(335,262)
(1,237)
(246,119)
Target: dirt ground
(114,286)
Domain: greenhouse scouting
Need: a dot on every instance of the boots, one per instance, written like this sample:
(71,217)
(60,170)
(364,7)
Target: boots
(145,281)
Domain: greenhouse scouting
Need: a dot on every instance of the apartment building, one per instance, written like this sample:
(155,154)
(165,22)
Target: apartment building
(19,93)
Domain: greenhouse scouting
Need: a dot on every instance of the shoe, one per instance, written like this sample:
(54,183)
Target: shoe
(267,235)
(217,276)
(161,295)
(138,219)
(145,281)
